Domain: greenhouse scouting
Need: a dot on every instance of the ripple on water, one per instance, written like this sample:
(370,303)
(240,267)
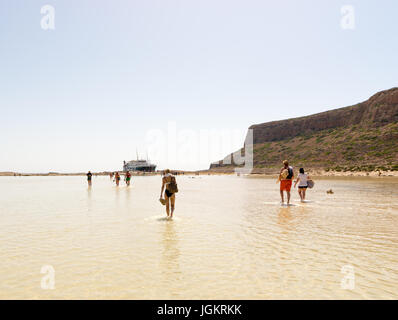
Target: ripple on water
(229,239)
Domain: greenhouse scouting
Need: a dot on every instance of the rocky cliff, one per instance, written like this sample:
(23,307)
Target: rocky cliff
(380,109)
(359,137)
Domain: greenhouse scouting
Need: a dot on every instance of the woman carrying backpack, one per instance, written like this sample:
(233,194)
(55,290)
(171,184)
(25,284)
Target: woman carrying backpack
(169,185)
(285,177)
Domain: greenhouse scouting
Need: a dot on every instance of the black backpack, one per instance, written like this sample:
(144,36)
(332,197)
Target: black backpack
(290,175)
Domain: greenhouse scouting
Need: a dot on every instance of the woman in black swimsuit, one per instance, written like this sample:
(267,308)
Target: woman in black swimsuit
(168,195)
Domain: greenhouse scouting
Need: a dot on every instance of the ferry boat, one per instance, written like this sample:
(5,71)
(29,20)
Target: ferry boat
(139,165)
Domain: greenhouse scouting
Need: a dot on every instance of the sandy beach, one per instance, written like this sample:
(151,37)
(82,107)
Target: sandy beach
(255,172)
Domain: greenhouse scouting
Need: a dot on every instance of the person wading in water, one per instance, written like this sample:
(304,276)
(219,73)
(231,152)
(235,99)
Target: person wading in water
(302,180)
(117,178)
(169,186)
(285,177)
(128,178)
(89,176)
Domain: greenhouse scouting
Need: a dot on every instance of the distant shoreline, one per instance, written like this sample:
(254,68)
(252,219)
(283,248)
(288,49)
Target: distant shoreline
(255,173)
(315,173)
(102,173)
(56,174)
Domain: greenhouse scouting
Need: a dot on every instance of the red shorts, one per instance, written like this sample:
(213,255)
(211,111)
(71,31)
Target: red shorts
(286,185)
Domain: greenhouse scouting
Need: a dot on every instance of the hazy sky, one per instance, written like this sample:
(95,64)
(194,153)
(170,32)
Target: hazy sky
(182,80)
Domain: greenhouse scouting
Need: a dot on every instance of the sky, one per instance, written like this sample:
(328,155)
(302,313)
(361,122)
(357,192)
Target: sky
(178,82)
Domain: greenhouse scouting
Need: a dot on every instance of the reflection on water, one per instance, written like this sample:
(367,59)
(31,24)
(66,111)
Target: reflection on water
(230,239)
(89,198)
(285,218)
(170,250)
(289,218)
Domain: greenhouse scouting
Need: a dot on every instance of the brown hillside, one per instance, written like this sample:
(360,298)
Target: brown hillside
(379,110)
(363,137)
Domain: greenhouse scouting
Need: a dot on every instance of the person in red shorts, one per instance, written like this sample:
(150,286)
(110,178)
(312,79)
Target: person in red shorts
(286,177)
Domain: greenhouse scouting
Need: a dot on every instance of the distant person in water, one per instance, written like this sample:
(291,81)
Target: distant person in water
(169,186)
(111,175)
(285,177)
(89,176)
(117,178)
(302,180)
(128,178)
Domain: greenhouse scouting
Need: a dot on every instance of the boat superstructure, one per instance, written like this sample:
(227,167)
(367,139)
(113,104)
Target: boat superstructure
(139,165)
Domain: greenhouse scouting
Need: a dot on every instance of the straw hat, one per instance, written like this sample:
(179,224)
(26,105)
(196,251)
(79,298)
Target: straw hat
(162,201)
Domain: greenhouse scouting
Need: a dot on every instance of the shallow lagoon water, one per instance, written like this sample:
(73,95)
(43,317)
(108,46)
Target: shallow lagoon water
(230,239)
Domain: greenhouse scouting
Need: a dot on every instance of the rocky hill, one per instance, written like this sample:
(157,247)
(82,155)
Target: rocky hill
(363,137)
